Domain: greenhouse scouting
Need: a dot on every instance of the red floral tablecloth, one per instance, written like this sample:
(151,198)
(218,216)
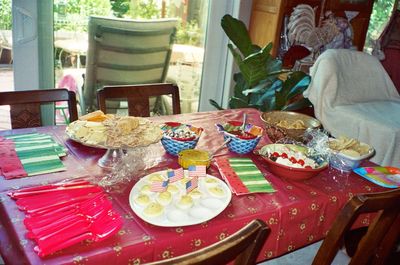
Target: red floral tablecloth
(298,213)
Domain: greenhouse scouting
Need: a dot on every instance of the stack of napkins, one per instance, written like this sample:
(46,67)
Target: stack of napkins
(30,154)
(243,176)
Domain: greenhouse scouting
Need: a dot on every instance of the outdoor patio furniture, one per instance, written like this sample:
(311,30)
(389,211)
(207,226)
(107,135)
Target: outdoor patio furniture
(6,43)
(123,51)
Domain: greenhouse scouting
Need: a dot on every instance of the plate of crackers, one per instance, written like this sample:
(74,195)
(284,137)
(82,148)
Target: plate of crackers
(178,203)
(100,130)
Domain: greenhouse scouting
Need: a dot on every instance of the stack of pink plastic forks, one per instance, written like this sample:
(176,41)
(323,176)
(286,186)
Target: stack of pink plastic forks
(63,214)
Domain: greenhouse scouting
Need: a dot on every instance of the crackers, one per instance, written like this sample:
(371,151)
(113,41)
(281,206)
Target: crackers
(104,130)
(349,146)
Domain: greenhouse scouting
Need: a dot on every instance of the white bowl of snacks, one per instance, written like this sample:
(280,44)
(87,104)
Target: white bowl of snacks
(347,153)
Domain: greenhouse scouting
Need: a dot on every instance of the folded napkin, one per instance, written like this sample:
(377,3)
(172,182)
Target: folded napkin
(30,154)
(243,176)
(10,164)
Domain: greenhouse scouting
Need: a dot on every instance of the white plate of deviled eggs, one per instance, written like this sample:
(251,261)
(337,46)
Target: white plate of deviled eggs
(174,207)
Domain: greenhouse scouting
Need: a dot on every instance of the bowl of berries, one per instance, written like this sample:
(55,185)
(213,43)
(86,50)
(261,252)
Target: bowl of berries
(178,136)
(292,161)
(241,137)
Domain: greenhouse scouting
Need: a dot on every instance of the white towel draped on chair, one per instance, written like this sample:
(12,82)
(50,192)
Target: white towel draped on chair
(353,95)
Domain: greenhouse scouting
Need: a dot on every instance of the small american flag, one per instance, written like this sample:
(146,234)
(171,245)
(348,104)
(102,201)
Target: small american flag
(191,184)
(175,175)
(159,186)
(197,171)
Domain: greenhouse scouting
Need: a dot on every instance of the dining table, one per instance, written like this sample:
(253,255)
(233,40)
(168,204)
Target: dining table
(298,212)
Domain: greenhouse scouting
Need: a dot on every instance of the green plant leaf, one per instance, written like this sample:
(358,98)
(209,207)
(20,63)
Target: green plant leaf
(253,66)
(215,104)
(236,56)
(240,86)
(297,82)
(237,32)
(300,104)
(268,100)
(236,103)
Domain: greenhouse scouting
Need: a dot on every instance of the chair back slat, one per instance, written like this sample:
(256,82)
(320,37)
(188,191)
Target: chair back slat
(138,97)
(243,247)
(25,105)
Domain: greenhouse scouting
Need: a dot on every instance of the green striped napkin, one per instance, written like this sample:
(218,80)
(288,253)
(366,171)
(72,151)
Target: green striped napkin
(243,176)
(39,153)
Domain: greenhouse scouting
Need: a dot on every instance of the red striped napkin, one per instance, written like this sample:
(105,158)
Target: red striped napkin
(10,165)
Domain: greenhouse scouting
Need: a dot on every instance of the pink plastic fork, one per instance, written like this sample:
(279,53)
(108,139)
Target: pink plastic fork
(89,214)
(101,233)
(42,219)
(99,230)
(15,194)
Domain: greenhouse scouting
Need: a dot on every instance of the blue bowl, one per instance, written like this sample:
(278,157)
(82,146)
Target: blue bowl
(173,147)
(241,146)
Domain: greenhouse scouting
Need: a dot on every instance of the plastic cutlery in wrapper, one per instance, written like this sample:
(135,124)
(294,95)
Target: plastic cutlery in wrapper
(38,220)
(98,230)
(16,194)
(87,212)
(63,214)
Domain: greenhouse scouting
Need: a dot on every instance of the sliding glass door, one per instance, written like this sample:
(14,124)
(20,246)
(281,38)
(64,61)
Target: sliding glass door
(198,63)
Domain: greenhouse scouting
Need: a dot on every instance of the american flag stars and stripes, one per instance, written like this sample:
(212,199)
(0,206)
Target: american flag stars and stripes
(159,186)
(175,175)
(197,171)
(191,184)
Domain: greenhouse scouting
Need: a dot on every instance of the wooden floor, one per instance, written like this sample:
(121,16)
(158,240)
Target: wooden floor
(6,84)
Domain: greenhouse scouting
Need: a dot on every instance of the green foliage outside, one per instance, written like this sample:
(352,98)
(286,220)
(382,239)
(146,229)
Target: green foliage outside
(72,15)
(119,7)
(380,15)
(5,14)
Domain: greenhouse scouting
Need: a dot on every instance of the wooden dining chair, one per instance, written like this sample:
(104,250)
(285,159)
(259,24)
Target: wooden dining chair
(381,236)
(138,97)
(25,105)
(243,247)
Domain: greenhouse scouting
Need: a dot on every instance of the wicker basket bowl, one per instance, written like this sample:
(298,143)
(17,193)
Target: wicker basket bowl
(275,132)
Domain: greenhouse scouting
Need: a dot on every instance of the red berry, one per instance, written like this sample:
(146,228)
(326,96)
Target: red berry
(301,162)
(275,154)
(284,155)
(293,160)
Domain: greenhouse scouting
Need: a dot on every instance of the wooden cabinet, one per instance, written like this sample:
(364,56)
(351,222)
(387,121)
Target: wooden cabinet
(268,16)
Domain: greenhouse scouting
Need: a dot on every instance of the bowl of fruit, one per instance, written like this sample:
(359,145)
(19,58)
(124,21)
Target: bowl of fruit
(241,137)
(178,136)
(292,161)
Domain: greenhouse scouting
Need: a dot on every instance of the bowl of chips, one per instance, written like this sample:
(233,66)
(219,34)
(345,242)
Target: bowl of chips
(348,153)
(240,139)
(291,161)
(178,136)
(281,124)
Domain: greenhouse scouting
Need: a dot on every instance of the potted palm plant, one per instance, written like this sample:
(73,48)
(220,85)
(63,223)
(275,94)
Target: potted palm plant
(259,84)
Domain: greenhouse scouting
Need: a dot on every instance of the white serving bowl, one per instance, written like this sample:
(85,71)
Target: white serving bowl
(347,163)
